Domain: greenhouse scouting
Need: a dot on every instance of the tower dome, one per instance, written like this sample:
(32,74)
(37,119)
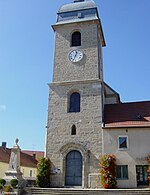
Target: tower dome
(78,5)
(77,11)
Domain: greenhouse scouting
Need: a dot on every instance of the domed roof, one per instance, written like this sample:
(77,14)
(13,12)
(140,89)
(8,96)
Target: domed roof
(77,5)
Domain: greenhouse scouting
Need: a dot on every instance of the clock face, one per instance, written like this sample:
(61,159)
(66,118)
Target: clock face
(75,55)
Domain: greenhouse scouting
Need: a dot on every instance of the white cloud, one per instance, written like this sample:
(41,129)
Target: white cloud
(2,107)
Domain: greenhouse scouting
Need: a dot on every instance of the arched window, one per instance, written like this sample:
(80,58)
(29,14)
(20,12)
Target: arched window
(73,130)
(76,39)
(74,102)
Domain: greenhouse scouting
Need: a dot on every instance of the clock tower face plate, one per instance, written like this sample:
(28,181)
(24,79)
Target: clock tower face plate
(75,55)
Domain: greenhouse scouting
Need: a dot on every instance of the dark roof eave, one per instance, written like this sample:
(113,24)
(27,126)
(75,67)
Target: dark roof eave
(29,166)
(102,34)
(64,12)
(3,161)
(129,126)
(67,22)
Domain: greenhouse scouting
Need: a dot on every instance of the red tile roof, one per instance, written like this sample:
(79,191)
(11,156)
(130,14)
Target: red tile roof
(4,155)
(38,154)
(25,159)
(133,114)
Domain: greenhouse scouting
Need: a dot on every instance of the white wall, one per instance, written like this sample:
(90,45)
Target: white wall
(136,153)
(26,172)
(3,168)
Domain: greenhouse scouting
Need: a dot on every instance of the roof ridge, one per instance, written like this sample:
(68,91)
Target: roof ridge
(32,151)
(136,102)
(140,101)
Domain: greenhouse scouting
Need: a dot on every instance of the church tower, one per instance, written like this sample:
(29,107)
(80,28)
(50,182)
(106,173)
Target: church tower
(74,126)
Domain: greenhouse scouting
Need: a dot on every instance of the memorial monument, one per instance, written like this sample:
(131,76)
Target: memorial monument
(13,171)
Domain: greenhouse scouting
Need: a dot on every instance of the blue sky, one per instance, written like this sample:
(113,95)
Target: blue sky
(26,60)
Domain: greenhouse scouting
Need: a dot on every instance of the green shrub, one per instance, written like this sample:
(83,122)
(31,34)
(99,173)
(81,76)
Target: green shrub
(43,173)
(1,186)
(14,183)
(2,182)
(8,189)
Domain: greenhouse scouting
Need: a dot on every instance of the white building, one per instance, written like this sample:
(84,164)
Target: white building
(126,134)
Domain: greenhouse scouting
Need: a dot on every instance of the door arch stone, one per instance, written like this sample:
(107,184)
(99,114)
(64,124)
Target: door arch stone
(65,150)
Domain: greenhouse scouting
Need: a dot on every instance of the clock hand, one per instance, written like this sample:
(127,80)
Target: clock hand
(75,55)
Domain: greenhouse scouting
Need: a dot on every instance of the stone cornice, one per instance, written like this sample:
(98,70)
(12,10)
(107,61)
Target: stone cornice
(54,84)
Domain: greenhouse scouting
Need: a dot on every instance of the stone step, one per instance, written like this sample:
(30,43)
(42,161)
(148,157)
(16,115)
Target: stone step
(66,191)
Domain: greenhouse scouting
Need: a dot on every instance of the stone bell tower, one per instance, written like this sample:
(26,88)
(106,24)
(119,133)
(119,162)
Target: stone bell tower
(74,125)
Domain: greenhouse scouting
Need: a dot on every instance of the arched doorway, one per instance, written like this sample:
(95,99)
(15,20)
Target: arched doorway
(73,176)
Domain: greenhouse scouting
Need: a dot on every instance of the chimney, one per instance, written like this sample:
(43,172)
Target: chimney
(4,145)
(34,155)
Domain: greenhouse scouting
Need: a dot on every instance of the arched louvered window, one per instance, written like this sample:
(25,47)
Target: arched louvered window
(74,102)
(73,130)
(76,39)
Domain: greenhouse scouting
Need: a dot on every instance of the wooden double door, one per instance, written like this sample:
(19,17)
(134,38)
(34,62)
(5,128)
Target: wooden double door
(73,176)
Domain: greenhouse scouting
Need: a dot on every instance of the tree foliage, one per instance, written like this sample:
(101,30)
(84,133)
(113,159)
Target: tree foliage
(14,183)
(43,173)
(2,182)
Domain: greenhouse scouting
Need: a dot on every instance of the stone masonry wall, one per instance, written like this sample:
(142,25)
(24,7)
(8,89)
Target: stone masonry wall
(88,124)
(64,70)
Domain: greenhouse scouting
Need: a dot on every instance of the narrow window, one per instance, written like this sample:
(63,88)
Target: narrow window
(76,39)
(122,171)
(73,130)
(74,102)
(30,173)
(122,142)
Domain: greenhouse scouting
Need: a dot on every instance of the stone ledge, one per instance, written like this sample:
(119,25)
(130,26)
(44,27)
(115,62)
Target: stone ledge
(53,84)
